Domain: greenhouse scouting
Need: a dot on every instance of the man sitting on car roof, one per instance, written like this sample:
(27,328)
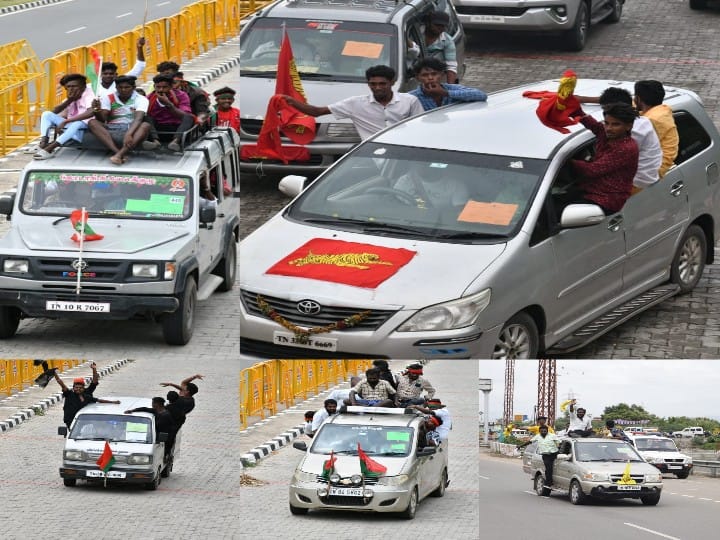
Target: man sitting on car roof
(372,391)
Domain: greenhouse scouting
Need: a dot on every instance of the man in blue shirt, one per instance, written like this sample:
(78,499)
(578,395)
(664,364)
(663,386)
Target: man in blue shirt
(433,93)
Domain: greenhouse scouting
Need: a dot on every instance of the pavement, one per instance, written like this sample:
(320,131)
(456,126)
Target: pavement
(264,488)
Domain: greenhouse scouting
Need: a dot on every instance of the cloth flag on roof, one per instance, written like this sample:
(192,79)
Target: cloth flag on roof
(93,68)
(329,466)
(626,478)
(280,117)
(370,467)
(558,109)
(106,459)
(79,222)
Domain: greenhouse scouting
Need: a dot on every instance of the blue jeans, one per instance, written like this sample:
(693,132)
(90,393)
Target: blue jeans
(72,130)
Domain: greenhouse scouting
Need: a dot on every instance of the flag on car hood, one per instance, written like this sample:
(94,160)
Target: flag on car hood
(329,466)
(79,222)
(106,459)
(369,467)
(626,478)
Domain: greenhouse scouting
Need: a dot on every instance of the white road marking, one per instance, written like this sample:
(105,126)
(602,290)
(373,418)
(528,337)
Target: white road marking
(166,3)
(652,532)
(531,493)
(123,15)
(704,498)
(76,29)
(689,496)
(484,477)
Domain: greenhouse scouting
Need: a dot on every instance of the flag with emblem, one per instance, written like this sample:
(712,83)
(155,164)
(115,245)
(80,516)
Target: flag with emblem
(329,466)
(93,68)
(369,467)
(106,459)
(79,222)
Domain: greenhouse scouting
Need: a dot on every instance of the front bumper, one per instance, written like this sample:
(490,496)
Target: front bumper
(131,476)
(384,499)
(532,19)
(611,491)
(672,468)
(34,304)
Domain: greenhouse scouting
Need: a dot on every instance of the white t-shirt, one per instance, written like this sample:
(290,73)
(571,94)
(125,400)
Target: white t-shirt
(369,116)
(583,423)
(650,154)
(318,418)
(136,71)
(444,428)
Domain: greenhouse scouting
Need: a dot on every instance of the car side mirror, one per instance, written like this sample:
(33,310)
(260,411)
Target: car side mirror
(7,202)
(427,451)
(208,214)
(300,445)
(62,430)
(564,457)
(581,215)
(292,184)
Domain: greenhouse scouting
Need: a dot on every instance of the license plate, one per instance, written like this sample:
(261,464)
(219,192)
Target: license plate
(110,474)
(674,466)
(347,492)
(83,307)
(491,19)
(631,487)
(313,342)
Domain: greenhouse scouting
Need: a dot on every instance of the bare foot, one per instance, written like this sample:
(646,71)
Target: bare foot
(117,160)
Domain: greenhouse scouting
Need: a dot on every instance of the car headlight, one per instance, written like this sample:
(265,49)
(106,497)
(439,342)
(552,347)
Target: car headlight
(16,266)
(169,272)
(393,480)
(656,460)
(74,455)
(139,459)
(302,476)
(653,478)
(147,270)
(596,477)
(356,479)
(449,315)
(334,478)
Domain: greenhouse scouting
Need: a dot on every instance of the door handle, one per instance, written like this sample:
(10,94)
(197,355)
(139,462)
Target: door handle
(677,188)
(615,223)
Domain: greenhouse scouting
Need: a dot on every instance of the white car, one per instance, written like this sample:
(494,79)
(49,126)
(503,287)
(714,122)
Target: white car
(663,453)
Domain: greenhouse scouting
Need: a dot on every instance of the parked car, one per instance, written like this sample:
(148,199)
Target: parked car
(693,431)
(597,468)
(569,18)
(663,453)
(388,436)
(333,44)
(490,269)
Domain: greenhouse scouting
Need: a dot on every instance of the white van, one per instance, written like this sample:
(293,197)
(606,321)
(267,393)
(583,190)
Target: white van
(138,451)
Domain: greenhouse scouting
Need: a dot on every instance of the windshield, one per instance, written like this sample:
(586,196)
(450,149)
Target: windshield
(337,50)
(118,428)
(137,196)
(605,451)
(407,191)
(660,445)
(374,440)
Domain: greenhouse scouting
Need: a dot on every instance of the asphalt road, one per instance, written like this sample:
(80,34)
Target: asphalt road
(72,23)
(687,509)
(655,39)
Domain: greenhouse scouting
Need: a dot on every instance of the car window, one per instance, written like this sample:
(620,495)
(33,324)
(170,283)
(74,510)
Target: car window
(693,137)
(118,428)
(446,6)
(374,440)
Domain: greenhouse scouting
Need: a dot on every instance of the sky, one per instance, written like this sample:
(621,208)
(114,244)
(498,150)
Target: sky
(663,387)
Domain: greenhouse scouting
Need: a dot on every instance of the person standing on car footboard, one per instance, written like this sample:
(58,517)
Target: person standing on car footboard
(547,447)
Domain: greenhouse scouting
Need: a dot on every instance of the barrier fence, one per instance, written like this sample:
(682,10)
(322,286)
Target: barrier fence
(28,86)
(15,375)
(266,386)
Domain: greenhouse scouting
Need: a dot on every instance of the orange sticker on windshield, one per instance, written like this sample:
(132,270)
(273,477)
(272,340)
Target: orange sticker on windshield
(491,213)
(363,49)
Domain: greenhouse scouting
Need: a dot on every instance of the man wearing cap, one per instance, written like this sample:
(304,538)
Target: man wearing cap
(436,408)
(439,44)
(79,396)
(225,114)
(411,385)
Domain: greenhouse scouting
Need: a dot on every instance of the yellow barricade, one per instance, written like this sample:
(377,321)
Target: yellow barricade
(17,374)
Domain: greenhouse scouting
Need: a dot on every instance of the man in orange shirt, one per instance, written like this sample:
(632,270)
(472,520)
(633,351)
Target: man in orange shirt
(649,97)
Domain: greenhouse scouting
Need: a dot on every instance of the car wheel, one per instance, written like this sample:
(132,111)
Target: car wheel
(698,4)
(650,500)
(9,321)
(296,511)
(440,491)
(518,338)
(616,13)
(689,260)
(540,488)
(576,493)
(168,468)
(178,326)
(69,482)
(576,37)
(682,475)
(227,267)
(152,486)
(409,512)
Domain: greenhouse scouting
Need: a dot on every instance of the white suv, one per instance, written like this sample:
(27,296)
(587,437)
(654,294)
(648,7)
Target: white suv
(663,454)
(694,431)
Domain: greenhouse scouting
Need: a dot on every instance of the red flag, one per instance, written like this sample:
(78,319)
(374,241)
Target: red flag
(329,466)
(350,263)
(556,109)
(369,467)
(106,459)
(79,222)
(93,68)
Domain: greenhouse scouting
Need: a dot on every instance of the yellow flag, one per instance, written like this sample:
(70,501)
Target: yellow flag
(626,478)
(564,405)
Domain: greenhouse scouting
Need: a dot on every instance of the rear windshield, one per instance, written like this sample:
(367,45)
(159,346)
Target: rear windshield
(137,196)
(110,427)
(373,440)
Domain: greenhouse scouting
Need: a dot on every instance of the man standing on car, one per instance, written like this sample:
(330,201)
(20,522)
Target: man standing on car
(580,426)
(547,447)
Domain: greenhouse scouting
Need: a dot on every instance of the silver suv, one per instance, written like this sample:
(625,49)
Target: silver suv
(570,18)
(333,42)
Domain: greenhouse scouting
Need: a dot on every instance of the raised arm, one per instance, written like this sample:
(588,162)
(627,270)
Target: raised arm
(306,108)
(60,382)
(191,378)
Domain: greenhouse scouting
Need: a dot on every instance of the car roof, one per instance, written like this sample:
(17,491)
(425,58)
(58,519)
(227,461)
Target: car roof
(381,417)
(505,125)
(344,10)
(126,402)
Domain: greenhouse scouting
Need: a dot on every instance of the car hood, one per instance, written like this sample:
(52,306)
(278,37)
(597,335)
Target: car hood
(348,465)
(257,91)
(648,454)
(120,236)
(438,272)
(617,467)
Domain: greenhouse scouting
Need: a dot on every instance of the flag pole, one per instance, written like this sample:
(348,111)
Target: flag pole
(83,220)
(145,18)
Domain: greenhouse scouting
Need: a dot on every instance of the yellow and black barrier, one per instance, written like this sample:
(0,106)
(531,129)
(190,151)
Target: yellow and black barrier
(15,375)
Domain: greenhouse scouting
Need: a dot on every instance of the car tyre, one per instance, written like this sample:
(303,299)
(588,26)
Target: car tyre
(576,493)
(540,488)
(69,482)
(682,475)
(178,326)
(409,512)
(576,38)
(152,486)
(689,260)
(227,267)
(698,4)
(297,511)
(616,13)
(440,491)
(650,500)
(518,338)
(9,321)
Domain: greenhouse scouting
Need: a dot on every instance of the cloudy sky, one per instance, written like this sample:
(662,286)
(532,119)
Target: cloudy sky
(662,387)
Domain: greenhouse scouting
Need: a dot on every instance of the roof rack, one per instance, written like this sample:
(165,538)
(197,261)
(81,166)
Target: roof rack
(359,409)
(385,5)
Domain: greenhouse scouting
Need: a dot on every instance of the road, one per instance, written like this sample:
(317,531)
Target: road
(453,516)
(672,44)
(687,509)
(73,23)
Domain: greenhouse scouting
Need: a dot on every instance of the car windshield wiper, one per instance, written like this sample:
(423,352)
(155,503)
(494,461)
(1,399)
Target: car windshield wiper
(387,227)
(337,221)
(469,236)
(398,453)
(313,75)
(253,73)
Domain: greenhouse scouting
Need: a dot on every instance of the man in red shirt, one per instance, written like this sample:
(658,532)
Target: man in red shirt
(169,114)
(225,114)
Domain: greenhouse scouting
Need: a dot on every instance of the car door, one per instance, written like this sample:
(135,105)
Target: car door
(563,470)
(210,234)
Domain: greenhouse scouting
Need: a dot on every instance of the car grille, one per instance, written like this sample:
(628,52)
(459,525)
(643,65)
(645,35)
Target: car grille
(486,10)
(674,460)
(105,270)
(328,314)
(368,481)
(343,500)
(264,349)
(639,478)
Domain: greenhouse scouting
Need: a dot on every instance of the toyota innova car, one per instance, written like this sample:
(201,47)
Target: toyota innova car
(598,468)
(138,450)
(663,453)
(388,436)
(479,263)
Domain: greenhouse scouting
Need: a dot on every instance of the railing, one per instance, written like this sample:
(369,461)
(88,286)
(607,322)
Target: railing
(714,466)
(15,375)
